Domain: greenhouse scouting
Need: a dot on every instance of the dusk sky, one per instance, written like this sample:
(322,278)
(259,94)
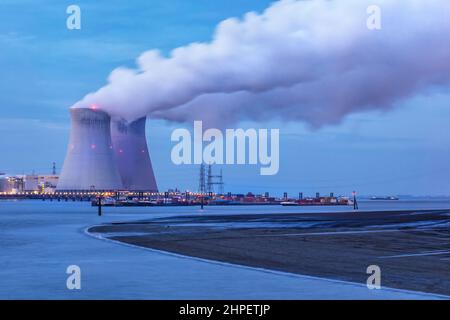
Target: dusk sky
(46,68)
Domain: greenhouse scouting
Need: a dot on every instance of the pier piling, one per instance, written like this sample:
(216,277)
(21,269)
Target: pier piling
(99,206)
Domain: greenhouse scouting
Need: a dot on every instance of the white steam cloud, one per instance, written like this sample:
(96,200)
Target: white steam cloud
(314,61)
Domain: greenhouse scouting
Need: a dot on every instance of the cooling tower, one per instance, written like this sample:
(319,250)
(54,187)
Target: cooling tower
(90,162)
(133,160)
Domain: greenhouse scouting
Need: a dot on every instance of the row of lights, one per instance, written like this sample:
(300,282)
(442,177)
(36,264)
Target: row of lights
(10,193)
(103,193)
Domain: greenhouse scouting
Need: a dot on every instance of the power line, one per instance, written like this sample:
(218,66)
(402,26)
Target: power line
(211,182)
(201,183)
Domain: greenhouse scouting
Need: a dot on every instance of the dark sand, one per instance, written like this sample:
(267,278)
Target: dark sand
(412,248)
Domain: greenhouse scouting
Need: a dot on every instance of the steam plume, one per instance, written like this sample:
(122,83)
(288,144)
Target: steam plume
(314,61)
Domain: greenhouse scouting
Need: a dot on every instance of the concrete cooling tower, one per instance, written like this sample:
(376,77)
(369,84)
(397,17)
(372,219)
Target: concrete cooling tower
(133,160)
(90,161)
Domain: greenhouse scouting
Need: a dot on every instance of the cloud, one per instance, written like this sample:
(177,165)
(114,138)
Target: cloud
(312,61)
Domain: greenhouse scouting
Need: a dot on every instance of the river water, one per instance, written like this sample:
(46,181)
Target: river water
(39,240)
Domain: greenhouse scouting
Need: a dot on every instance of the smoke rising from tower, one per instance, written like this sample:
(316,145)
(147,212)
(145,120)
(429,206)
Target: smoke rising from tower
(314,61)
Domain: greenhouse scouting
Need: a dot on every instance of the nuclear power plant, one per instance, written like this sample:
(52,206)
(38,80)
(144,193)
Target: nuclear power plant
(97,160)
(132,157)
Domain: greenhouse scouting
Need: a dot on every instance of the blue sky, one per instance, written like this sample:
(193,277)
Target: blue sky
(45,68)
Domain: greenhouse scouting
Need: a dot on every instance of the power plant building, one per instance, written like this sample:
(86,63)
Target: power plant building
(11,183)
(90,162)
(41,183)
(105,155)
(131,151)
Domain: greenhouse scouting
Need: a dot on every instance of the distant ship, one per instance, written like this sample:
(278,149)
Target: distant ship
(390,198)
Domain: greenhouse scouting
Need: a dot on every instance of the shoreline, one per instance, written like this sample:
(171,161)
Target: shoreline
(417,294)
(406,244)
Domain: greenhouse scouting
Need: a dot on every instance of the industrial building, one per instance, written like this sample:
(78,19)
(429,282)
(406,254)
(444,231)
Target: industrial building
(10,184)
(105,155)
(28,183)
(90,162)
(41,183)
(132,157)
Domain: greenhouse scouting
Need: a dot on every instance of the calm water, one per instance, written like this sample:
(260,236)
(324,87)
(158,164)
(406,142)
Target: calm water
(39,240)
(34,207)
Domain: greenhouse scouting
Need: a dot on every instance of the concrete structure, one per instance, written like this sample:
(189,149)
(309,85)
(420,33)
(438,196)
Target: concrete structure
(131,151)
(90,161)
(5,184)
(31,182)
(41,183)
(11,184)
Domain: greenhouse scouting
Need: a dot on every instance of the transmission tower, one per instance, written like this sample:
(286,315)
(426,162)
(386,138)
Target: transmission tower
(211,182)
(210,187)
(201,183)
(221,189)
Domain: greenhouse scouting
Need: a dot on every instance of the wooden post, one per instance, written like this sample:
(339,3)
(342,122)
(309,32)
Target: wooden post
(99,205)
(355,202)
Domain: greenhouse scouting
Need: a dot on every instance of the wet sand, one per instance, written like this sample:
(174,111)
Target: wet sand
(412,248)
